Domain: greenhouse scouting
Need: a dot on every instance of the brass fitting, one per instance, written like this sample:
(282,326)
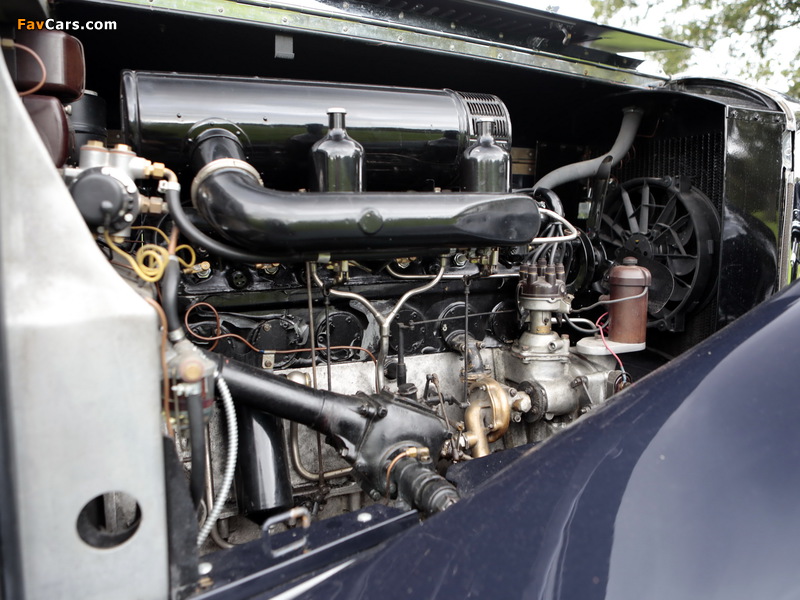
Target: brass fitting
(152,205)
(423,454)
(191,369)
(268,268)
(200,269)
(486,393)
(155,170)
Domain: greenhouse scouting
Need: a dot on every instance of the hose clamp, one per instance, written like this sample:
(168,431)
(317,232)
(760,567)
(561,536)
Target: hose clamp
(164,186)
(219,165)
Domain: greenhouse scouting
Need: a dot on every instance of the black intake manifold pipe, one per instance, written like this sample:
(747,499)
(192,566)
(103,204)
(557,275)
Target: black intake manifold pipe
(366,430)
(228,193)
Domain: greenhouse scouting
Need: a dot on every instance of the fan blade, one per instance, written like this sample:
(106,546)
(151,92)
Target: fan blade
(633,225)
(682,265)
(610,240)
(614,227)
(644,209)
(667,215)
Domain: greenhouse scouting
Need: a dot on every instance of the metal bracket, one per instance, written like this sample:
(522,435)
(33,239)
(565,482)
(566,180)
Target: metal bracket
(289,517)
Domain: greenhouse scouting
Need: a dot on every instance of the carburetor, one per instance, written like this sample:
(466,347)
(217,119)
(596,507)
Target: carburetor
(559,380)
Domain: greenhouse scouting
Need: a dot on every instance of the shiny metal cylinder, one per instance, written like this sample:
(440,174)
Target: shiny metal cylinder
(338,159)
(628,319)
(413,139)
(93,154)
(487,166)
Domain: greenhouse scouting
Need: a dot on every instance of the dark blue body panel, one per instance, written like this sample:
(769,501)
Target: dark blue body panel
(685,486)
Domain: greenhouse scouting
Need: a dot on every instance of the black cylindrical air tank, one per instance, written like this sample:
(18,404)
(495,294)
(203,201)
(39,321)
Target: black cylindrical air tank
(413,139)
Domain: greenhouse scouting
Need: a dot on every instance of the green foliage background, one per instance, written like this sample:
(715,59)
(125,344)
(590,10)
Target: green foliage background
(751,25)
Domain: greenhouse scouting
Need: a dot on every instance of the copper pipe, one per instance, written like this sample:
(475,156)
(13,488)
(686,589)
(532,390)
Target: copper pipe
(423,454)
(389,469)
(164,369)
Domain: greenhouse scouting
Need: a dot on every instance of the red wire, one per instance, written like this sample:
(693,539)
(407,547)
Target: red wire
(603,337)
(220,336)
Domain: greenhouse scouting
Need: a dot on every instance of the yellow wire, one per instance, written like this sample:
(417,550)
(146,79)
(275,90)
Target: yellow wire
(149,273)
(193,260)
(157,262)
(151,259)
(185,264)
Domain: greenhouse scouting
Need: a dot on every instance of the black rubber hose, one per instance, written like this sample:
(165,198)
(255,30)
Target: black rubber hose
(225,145)
(228,194)
(169,294)
(427,490)
(197,441)
(551,199)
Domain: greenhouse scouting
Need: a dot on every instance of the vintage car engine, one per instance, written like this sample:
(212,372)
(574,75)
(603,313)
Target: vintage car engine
(378,281)
(308,275)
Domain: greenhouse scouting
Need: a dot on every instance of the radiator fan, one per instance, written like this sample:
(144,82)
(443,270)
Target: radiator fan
(673,230)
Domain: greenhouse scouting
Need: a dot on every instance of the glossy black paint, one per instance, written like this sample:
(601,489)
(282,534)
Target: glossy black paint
(411,137)
(749,273)
(264,220)
(752,214)
(262,482)
(684,486)
(252,570)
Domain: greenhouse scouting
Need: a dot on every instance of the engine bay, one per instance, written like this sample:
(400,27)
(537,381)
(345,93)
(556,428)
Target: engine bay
(405,275)
(369,281)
